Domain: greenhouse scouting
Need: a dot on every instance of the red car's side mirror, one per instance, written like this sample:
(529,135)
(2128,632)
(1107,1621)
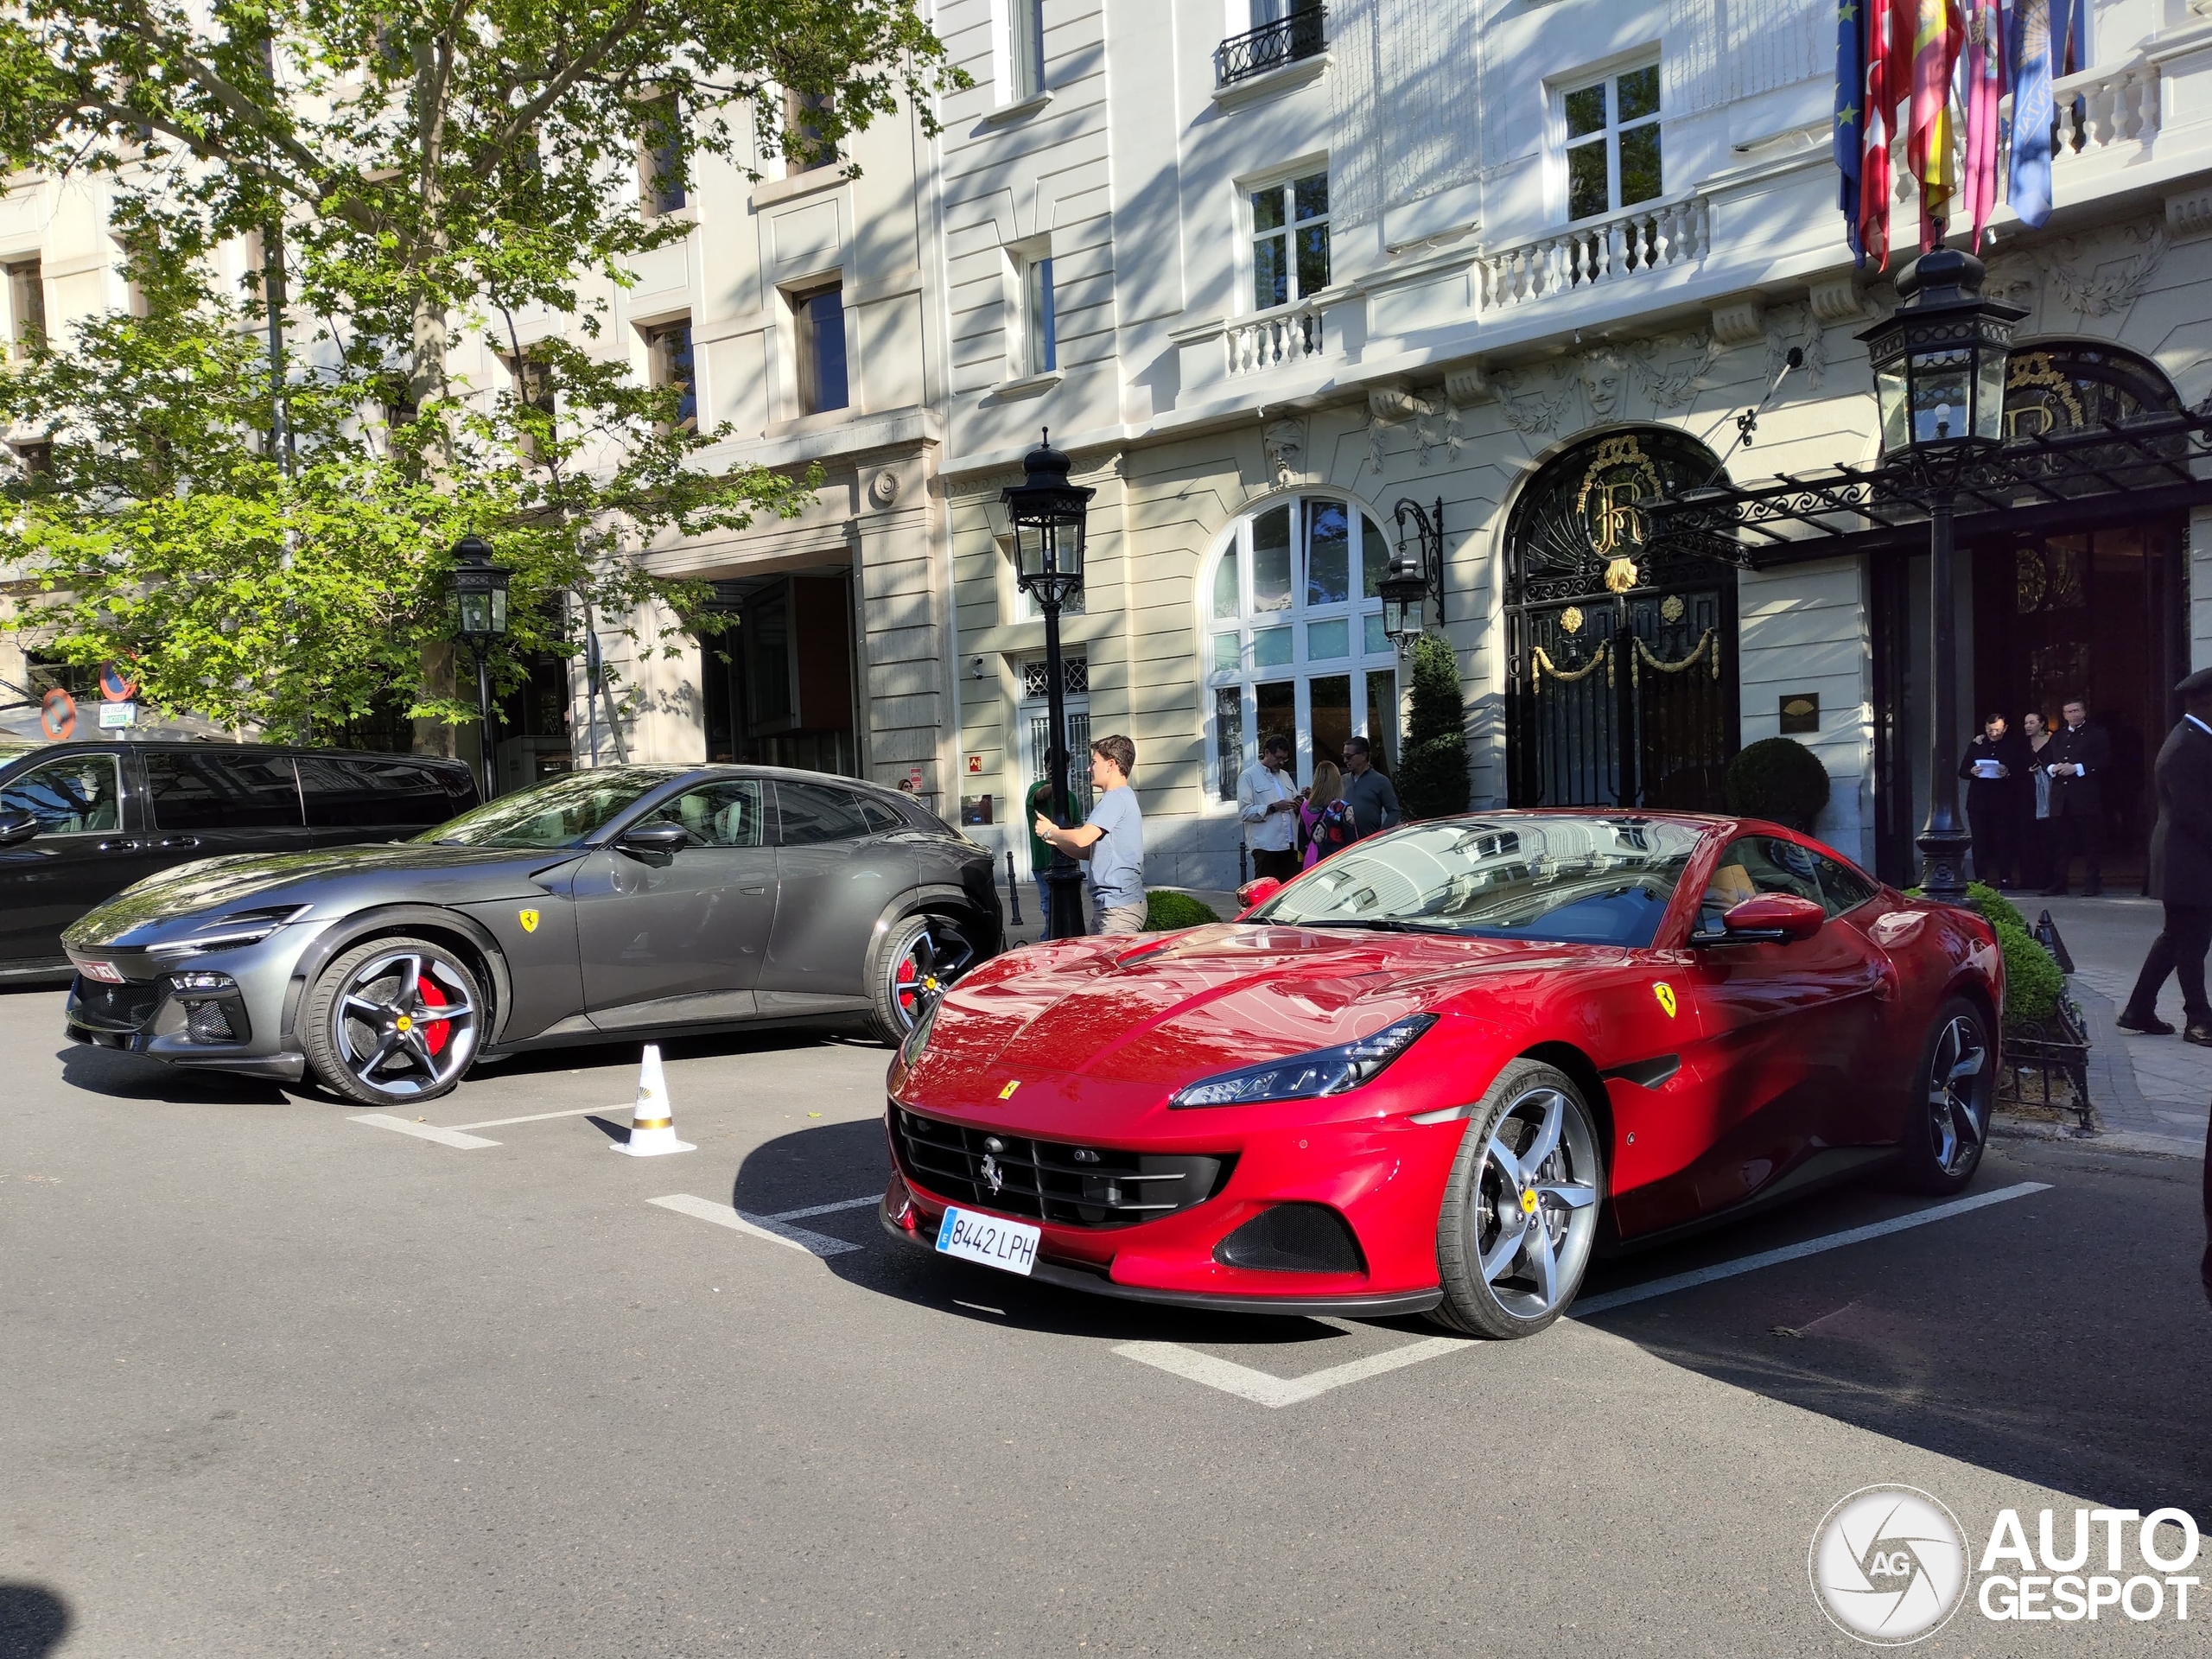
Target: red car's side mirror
(1253,894)
(1773,918)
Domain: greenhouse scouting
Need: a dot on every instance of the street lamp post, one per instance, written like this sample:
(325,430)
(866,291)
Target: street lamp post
(1939,363)
(480,591)
(1049,515)
(1416,578)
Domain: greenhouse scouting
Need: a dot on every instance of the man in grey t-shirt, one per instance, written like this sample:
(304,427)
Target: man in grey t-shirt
(1111,842)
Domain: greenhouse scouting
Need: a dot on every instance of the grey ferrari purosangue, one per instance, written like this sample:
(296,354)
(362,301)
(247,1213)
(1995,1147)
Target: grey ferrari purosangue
(650,900)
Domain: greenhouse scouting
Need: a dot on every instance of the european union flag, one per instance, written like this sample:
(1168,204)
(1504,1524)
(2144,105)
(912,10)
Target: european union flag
(1851,113)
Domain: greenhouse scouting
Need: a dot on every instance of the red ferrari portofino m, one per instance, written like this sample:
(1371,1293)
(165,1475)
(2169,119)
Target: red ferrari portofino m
(1436,1071)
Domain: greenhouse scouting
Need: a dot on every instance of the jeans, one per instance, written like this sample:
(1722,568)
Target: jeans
(1044,898)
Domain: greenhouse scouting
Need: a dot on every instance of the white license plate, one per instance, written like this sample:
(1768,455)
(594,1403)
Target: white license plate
(1010,1245)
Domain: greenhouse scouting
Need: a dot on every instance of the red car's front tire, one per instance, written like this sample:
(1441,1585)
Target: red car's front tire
(1520,1213)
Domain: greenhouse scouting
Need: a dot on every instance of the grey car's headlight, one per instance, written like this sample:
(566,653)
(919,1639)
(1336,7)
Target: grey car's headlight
(228,933)
(1308,1077)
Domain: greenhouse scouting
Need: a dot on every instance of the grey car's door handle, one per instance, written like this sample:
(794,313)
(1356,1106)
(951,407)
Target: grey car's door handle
(762,889)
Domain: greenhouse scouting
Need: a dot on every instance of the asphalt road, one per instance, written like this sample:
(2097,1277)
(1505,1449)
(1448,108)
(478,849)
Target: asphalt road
(281,1382)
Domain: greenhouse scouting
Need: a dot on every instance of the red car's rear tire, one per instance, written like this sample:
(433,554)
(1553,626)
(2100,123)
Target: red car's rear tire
(1947,1120)
(1520,1213)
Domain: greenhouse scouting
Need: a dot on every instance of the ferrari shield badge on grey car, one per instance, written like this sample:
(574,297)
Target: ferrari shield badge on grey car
(644,899)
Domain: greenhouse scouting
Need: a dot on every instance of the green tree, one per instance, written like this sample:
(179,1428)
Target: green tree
(267,540)
(1432,771)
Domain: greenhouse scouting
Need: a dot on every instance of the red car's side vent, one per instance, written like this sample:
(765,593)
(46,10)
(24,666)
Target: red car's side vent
(1055,1181)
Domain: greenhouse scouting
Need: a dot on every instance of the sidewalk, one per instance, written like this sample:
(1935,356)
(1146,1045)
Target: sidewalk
(1032,927)
(2151,1093)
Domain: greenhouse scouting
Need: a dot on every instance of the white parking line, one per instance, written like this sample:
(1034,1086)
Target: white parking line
(423,1131)
(1613,1299)
(776,1231)
(540,1117)
(1263,1388)
(827,1209)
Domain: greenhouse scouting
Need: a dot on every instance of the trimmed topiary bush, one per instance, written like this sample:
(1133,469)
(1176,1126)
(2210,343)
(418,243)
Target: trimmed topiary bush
(1780,780)
(1996,906)
(1168,912)
(2032,982)
(1432,777)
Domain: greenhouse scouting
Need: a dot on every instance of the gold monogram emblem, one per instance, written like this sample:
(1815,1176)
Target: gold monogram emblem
(1570,619)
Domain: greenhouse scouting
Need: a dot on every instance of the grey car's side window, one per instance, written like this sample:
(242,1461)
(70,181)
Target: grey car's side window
(727,814)
(813,813)
(71,794)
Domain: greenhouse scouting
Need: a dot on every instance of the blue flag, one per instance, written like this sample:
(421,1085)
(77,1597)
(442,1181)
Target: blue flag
(2027,187)
(1851,114)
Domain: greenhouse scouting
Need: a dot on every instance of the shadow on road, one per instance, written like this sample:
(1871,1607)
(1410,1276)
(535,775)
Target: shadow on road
(33,1620)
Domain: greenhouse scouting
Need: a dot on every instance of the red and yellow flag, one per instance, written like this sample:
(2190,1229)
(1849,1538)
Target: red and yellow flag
(1931,137)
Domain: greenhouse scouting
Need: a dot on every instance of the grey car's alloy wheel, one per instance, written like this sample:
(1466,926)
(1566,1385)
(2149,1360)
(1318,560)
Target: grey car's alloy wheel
(1946,1121)
(915,959)
(1520,1213)
(393,1021)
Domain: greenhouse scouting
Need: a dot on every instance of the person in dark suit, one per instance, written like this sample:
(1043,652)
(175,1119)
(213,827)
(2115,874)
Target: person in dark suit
(2181,872)
(1996,769)
(2078,759)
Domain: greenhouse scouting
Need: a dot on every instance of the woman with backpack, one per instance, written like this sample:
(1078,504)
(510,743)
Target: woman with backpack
(1324,821)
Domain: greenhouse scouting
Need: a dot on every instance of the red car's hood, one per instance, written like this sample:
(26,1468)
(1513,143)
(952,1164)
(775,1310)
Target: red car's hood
(1162,1012)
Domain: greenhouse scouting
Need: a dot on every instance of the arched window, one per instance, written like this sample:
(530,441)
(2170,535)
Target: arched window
(1293,640)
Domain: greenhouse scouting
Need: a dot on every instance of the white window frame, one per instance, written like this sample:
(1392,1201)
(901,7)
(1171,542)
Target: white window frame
(1302,668)
(1021,48)
(1280,178)
(1607,73)
(1032,343)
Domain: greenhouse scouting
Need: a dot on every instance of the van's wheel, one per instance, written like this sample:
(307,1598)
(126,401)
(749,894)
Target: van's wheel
(1946,1121)
(1520,1213)
(393,1021)
(915,960)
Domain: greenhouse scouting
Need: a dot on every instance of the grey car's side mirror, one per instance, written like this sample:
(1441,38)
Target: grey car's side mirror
(655,842)
(16,827)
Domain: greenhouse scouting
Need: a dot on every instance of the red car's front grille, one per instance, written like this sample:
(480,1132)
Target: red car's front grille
(1057,1181)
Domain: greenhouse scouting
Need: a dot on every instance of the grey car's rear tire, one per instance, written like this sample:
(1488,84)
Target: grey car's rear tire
(393,1021)
(1520,1213)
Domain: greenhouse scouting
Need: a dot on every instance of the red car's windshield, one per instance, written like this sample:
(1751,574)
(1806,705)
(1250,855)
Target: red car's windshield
(1580,881)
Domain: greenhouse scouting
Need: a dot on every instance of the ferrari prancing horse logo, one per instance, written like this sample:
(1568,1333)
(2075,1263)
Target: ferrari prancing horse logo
(529,920)
(1007,1093)
(1665,993)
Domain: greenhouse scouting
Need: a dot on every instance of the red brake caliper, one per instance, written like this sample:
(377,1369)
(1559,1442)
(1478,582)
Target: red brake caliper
(908,975)
(433,1031)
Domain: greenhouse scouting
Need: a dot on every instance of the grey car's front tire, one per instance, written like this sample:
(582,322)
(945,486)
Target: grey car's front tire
(1520,1213)
(393,1021)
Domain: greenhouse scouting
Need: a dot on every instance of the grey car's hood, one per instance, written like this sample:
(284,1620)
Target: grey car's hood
(334,881)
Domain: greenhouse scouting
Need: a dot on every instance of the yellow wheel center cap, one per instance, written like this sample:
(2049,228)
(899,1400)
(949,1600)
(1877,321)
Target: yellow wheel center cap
(405,1024)
(1529,1201)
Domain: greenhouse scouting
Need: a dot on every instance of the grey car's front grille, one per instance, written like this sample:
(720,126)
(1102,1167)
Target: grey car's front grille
(125,1007)
(1052,1180)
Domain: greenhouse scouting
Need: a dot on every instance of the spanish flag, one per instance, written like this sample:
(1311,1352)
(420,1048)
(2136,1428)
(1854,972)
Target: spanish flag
(1931,138)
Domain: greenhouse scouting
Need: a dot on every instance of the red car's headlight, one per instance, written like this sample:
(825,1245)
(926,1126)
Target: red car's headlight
(1308,1077)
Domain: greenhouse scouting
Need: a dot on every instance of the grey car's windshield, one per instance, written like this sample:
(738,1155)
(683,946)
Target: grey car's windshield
(556,813)
(1580,881)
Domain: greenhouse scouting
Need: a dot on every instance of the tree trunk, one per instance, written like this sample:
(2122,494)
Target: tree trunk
(440,677)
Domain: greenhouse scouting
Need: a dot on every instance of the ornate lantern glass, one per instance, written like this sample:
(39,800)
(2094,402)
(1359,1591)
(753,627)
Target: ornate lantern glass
(1049,514)
(1939,359)
(480,591)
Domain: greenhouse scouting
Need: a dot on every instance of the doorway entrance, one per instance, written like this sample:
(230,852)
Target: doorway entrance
(776,682)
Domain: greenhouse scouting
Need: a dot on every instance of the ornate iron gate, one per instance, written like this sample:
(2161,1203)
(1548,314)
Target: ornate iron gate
(1621,689)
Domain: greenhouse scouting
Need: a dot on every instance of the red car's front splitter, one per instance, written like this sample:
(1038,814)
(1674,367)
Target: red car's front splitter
(1073,1276)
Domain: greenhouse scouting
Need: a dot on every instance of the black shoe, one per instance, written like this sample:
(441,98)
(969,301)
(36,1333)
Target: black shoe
(2148,1024)
(2200,1035)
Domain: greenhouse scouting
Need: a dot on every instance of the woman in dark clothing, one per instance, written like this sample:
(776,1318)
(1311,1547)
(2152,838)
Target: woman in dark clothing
(1995,767)
(2037,853)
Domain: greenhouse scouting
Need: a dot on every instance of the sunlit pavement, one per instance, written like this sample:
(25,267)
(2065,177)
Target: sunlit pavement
(282,1382)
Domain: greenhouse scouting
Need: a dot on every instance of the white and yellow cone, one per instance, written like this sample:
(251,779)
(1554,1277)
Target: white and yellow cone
(652,1122)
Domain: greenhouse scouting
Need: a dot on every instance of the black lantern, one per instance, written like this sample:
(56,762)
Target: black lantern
(480,591)
(1414,579)
(1049,515)
(1939,359)
(1939,377)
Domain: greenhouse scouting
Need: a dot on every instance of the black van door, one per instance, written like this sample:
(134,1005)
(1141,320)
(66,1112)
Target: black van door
(356,798)
(208,801)
(90,845)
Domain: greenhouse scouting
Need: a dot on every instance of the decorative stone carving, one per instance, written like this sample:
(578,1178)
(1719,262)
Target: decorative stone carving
(2190,215)
(1739,323)
(2100,292)
(883,488)
(1604,377)
(1532,412)
(1671,388)
(1392,403)
(1837,301)
(1797,326)
(1470,385)
(1285,442)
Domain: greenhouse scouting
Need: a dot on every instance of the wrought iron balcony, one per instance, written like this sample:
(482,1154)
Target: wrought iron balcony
(1269,47)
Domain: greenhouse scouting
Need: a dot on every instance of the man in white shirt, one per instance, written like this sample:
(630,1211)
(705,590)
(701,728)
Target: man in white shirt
(1266,800)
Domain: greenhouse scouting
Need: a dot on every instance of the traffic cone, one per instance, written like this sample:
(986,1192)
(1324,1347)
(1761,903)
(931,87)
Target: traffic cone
(652,1123)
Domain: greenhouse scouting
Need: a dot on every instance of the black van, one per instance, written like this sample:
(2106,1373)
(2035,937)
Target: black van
(80,822)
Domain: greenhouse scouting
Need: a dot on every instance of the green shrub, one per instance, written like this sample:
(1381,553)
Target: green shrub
(2032,982)
(1431,780)
(1166,912)
(1778,779)
(1995,906)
